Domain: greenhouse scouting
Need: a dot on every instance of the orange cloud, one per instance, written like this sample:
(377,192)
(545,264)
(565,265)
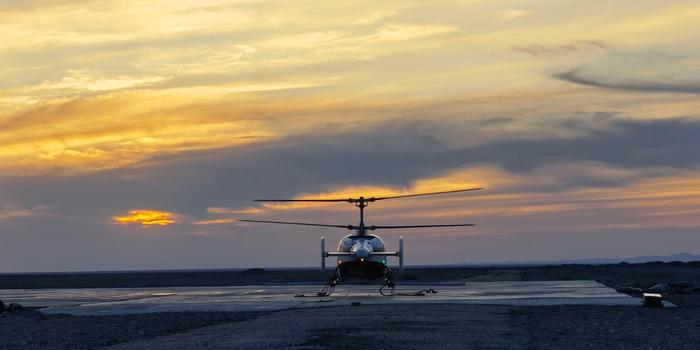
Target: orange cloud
(507,204)
(13,212)
(484,177)
(214,222)
(220,210)
(147,218)
(118,130)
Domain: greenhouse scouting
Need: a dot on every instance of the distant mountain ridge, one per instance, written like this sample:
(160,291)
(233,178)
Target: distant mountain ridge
(685,257)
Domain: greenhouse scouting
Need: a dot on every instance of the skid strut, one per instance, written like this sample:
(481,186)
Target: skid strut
(329,287)
(388,282)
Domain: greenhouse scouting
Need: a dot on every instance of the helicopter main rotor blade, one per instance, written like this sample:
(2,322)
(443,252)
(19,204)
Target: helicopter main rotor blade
(426,194)
(377,227)
(349,227)
(368,199)
(304,200)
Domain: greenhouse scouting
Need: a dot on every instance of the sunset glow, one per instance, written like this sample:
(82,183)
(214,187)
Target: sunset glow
(582,139)
(147,218)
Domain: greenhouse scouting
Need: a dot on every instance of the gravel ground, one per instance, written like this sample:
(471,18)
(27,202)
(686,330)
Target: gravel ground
(369,327)
(359,327)
(384,326)
(600,327)
(30,329)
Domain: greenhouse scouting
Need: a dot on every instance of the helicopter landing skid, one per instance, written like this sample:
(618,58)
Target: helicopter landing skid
(329,287)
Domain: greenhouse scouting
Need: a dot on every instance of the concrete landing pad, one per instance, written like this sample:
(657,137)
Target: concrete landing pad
(110,301)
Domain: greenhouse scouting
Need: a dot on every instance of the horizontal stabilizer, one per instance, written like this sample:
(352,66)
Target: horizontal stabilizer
(340,253)
(384,254)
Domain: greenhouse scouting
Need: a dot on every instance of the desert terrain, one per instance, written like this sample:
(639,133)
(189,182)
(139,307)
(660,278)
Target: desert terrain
(374,326)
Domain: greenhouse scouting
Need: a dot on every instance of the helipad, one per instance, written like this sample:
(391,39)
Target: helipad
(110,301)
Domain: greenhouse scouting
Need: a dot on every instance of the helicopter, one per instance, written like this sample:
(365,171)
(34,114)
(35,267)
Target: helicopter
(361,255)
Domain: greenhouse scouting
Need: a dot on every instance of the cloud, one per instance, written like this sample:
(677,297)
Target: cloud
(9,212)
(397,32)
(374,17)
(573,47)
(508,15)
(214,222)
(575,76)
(623,143)
(561,187)
(83,81)
(116,130)
(129,128)
(391,155)
(201,107)
(146,218)
(516,204)
(249,210)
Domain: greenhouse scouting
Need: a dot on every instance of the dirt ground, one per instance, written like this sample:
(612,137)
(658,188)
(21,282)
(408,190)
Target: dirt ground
(387,326)
(367,327)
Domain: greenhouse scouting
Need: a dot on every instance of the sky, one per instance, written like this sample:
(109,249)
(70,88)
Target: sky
(134,133)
